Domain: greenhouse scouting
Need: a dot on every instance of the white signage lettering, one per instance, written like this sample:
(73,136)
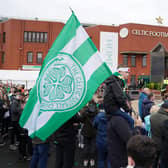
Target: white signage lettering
(149,33)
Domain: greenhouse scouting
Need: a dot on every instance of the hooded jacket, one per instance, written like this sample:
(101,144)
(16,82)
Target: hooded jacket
(100,123)
(142,96)
(114,97)
(146,106)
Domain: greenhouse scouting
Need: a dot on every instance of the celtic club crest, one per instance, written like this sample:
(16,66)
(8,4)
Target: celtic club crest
(62,84)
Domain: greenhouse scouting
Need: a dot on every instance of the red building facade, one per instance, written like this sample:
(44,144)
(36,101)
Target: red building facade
(24,44)
(142,47)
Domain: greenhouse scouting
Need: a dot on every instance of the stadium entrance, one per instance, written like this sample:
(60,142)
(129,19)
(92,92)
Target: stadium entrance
(159,63)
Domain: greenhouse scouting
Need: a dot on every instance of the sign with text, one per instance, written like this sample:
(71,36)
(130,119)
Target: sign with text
(149,33)
(109,49)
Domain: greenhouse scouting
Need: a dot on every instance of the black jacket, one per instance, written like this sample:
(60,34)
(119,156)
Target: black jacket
(87,118)
(157,119)
(114,97)
(118,133)
(146,106)
(16,110)
(164,140)
(67,132)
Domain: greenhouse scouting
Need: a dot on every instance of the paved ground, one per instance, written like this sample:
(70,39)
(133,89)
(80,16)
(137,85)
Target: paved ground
(10,159)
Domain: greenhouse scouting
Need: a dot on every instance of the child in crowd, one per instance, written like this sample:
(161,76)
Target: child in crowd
(153,109)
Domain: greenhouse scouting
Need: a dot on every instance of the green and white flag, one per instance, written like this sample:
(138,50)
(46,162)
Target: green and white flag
(71,73)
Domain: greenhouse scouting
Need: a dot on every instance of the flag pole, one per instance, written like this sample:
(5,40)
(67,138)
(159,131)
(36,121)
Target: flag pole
(71,9)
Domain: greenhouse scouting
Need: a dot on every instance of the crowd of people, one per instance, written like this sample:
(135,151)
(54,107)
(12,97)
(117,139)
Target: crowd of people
(108,130)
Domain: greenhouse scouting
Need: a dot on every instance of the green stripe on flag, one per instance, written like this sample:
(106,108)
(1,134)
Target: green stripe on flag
(29,107)
(61,119)
(98,77)
(81,55)
(69,31)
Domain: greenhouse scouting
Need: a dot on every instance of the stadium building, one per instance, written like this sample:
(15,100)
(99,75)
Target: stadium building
(25,43)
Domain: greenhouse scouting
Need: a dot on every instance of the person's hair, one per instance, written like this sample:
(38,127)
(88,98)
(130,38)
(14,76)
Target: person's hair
(146,90)
(142,149)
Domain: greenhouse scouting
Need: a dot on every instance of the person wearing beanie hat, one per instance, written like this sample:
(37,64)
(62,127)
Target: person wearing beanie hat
(157,119)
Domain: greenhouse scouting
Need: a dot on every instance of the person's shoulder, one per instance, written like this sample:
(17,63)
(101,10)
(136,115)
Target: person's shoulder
(154,115)
(101,115)
(118,119)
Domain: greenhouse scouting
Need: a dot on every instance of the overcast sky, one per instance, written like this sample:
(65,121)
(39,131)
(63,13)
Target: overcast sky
(88,11)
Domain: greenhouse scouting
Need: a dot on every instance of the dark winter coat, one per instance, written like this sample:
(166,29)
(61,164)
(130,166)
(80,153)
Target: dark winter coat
(16,110)
(67,132)
(100,123)
(1,109)
(142,96)
(146,106)
(157,119)
(118,132)
(114,97)
(164,140)
(87,118)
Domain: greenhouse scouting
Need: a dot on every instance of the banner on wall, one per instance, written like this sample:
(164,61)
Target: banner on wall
(109,48)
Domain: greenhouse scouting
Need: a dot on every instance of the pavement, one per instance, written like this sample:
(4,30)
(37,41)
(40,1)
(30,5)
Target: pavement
(10,159)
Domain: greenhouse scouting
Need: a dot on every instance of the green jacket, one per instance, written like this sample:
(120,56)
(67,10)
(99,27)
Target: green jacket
(157,120)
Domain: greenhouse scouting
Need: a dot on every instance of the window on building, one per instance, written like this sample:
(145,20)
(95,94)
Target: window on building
(3,57)
(39,57)
(29,57)
(33,37)
(4,37)
(45,37)
(25,36)
(125,59)
(29,36)
(133,60)
(37,37)
(144,60)
(41,37)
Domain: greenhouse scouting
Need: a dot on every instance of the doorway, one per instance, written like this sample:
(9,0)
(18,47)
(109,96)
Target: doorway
(159,63)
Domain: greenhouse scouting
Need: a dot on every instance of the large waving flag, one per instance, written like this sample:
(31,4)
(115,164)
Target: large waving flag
(71,73)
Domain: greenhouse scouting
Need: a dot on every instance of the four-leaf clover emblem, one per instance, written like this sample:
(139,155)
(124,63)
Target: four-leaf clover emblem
(57,84)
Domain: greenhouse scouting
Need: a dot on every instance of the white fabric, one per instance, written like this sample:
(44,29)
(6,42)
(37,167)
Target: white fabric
(124,69)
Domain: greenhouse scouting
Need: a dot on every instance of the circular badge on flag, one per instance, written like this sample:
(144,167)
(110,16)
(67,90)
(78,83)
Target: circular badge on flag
(62,84)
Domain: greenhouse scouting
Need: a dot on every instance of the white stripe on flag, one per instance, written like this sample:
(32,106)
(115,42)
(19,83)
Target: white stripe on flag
(92,65)
(31,122)
(76,41)
(43,119)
